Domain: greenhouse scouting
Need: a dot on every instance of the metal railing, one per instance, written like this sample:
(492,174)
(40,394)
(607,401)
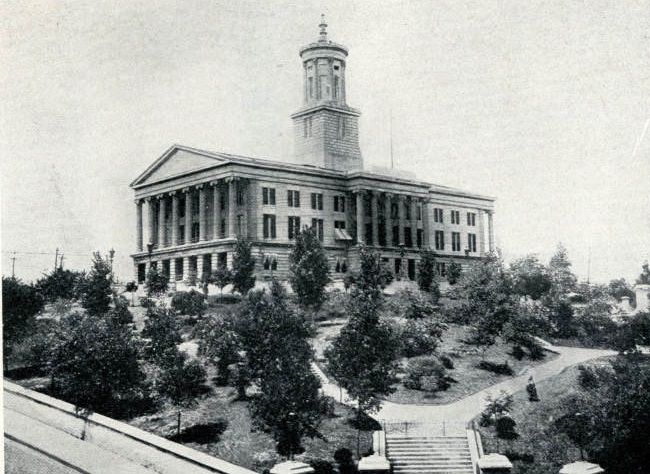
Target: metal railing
(423,428)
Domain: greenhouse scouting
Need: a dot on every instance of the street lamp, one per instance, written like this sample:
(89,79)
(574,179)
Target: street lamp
(111,254)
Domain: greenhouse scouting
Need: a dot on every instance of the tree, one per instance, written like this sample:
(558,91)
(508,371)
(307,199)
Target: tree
(180,380)
(308,269)
(454,272)
(161,331)
(619,288)
(496,407)
(243,266)
(93,363)
(59,283)
(131,287)
(221,277)
(157,282)
(278,355)
(563,281)
(96,289)
(20,304)
(120,313)
(362,359)
(644,277)
(528,321)
(220,343)
(190,303)
(421,336)
(427,273)
(530,277)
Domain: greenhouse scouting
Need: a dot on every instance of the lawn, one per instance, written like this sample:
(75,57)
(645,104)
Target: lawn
(537,438)
(465,357)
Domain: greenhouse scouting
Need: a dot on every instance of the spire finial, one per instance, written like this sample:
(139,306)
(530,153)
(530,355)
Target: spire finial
(323,28)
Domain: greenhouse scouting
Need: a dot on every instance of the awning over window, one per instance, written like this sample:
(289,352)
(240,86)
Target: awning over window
(341,234)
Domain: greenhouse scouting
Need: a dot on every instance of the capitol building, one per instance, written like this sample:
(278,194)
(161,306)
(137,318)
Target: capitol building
(192,205)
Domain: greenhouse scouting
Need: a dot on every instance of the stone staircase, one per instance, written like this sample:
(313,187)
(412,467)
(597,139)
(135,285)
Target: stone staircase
(418,454)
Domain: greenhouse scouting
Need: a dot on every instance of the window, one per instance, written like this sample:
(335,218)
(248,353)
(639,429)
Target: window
(340,127)
(394,210)
(471,219)
(240,194)
(437,215)
(418,212)
(440,240)
(420,237)
(240,225)
(317,201)
(195,231)
(294,227)
(336,84)
(223,199)
(181,207)
(311,87)
(455,217)
(270,262)
(396,235)
(339,203)
(268,196)
(195,204)
(367,205)
(368,229)
(307,126)
(317,225)
(455,241)
(408,237)
(471,242)
(269,226)
(339,225)
(407,210)
(223,228)
(293,198)
(441,268)
(178,269)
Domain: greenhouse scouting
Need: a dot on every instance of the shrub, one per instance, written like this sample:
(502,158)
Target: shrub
(228,298)
(500,369)
(517,456)
(535,351)
(505,427)
(446,361)
(190,303)
(345,461)
(427,374)
(181,380)
(120,312)
(518,353)
(421,337)
(321,466)
(146,302)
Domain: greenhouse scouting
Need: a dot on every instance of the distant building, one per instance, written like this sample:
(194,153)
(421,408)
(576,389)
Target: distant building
(193,204)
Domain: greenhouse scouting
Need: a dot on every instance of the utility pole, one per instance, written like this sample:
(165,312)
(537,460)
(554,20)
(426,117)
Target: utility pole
(61,262)
(13,265)
(56,258)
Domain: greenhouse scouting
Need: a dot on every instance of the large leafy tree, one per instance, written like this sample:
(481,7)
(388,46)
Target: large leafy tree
(309,270)
(157,282)
(161,333)
(618,288)
(427,273)
(93,363)
(563,280)
(277,351)
(96,287)
(220,343)
(20,304)
(644,277)
(362,359)
(530,277)
(59,283)
(243,266)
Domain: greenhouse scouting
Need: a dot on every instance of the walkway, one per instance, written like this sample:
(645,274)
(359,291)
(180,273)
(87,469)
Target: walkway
(471,406)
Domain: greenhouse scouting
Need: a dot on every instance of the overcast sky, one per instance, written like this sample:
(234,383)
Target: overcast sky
(544,105)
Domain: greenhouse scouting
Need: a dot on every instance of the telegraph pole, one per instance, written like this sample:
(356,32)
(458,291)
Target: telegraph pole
(13,265)
(61,262)
(56,258)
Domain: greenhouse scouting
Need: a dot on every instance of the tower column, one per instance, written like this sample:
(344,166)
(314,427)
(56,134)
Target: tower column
(490,231)
(203,224)
(138,224)
(232,198)
(359,210)
(188,215)
(401,199)
(174,232)
(151,227)
(426,223)
(216,209)
(374,212)
(481,231)
(388,221)
(414,221)
(161,220)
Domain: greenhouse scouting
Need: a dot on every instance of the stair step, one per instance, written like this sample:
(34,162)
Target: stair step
(426,438)
(427,449)
(437,471)
(441,456)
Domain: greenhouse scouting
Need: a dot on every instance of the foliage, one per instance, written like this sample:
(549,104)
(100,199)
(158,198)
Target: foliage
(606,417)
(527,321)
(505,428)
(157,282)
(220,343)
(59,284)
(428,374)
(530,277)
(454,273)
(620,288)
(345,461)
(180,380)
(644,277)
(278,359)
(495,408)
(418,305)
(362,359)
(494,367)
(446,361)
(161,331)
(531,389)
(96,289)
(190,303)
(243,266)
(131,287)
(427,273)
(221,277)
(561,317)
(93,363)
(20,304)
(321,466)
(308,269)
(421,336)
(120,313)
(563,281)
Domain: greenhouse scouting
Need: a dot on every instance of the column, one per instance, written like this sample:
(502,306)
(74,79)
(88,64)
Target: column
(138,228)
(374,213)
(174,233)
(216,205)
(388,221)
(232,202)
(188,217)
(481,231)
(426,224)
(203,224)
(414,221)
(359,197)
(172,269)
(151,233)
(490,231)
(186,268)
(161,221)
(401,199)
(199,268)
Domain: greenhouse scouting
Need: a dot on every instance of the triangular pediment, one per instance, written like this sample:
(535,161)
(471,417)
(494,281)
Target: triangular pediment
(175,162)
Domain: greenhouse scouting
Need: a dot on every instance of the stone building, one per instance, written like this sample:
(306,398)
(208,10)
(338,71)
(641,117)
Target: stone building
(192,204)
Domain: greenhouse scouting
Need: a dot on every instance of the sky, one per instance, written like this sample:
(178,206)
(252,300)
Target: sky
(544,105)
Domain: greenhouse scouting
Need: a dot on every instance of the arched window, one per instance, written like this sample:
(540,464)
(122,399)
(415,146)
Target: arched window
(267,262)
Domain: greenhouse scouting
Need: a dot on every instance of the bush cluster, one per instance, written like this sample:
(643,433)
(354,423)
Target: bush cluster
(427,374)
(499,369)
